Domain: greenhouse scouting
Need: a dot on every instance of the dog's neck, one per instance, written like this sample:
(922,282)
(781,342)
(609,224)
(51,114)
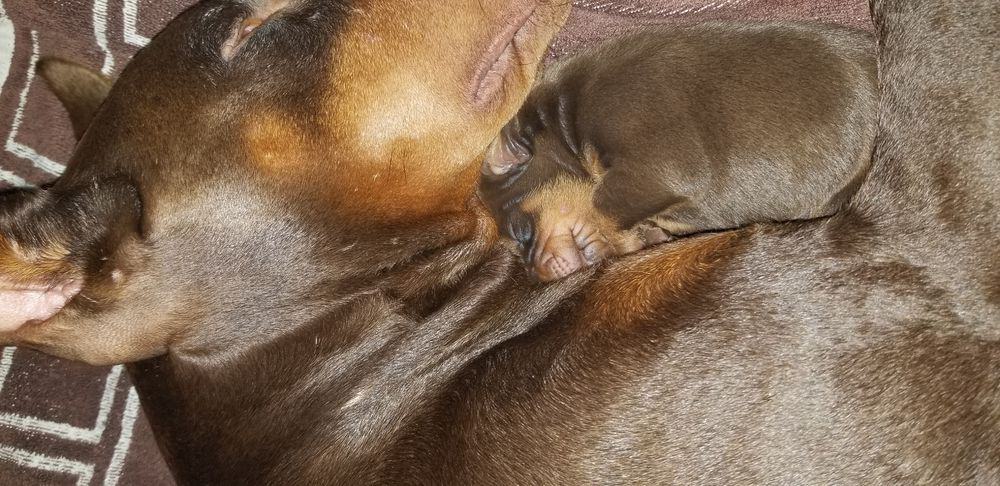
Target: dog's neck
(366,365)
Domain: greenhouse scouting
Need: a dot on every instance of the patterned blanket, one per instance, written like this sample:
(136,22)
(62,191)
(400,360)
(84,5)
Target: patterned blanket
(64,423)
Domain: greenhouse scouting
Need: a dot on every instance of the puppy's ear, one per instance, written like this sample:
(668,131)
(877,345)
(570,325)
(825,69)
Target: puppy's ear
(507,151)
(81,90)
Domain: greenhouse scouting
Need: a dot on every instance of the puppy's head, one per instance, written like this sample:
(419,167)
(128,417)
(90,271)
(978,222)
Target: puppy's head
(533,151)
(241,162)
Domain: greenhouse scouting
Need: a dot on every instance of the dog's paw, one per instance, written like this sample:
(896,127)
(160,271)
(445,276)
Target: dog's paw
(567,246)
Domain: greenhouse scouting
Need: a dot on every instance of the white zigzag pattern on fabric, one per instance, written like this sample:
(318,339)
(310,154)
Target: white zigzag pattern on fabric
(130,14)
(60,465)
(13,146)
(69,432)
(7,43)
(65,431)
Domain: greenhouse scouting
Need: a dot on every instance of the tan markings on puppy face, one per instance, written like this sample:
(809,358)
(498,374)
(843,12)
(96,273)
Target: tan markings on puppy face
(570,233)
(572,198)
(411,111)
(563,194)
(634,288)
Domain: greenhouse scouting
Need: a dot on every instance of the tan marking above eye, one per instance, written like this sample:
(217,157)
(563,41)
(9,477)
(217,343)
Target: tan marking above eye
(274,142)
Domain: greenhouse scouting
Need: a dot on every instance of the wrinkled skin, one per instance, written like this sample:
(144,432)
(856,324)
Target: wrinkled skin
(276,227)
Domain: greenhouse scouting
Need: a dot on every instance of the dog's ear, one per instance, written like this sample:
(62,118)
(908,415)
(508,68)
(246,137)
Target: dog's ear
(433,103)
(80,89)
(508,151)
(64,253)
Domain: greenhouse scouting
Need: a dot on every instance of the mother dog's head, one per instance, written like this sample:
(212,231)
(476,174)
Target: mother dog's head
(175,208)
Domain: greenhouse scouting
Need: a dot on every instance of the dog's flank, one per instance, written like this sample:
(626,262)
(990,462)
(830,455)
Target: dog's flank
(312,325)
(673,131)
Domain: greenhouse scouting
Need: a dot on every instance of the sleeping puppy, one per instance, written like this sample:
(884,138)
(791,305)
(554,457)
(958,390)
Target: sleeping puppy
(669,132)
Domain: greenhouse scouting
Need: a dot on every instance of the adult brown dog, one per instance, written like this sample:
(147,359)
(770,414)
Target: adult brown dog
(275,215)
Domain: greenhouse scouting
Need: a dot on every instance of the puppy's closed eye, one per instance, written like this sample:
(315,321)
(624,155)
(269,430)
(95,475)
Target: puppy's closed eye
(521,228)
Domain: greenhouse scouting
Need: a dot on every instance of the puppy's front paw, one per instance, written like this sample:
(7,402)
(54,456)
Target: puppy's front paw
(568,245)
(594,246)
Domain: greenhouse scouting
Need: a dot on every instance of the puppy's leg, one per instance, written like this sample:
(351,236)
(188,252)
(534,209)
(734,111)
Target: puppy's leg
(649,234)
(566,243)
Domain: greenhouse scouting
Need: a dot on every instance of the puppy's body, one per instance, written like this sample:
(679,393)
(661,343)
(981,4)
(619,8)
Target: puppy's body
(686,129)
(291,323)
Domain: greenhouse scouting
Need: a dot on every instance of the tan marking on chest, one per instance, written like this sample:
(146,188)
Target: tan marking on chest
(631,289)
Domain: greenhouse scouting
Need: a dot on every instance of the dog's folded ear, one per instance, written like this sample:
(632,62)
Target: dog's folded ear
(507,152)
(56,246)
(80,89)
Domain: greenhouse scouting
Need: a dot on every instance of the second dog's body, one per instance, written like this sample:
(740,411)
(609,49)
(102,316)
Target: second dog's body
(684,130)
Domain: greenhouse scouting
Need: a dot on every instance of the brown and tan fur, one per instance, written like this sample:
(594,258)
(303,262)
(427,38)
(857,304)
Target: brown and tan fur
(673,131)
(279,333)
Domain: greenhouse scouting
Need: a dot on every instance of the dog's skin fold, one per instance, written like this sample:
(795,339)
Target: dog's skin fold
(277,228)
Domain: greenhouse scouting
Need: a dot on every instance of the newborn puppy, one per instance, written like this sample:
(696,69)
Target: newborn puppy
(675,131)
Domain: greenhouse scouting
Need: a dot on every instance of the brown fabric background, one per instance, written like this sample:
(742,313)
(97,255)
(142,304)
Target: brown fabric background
(63,423)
